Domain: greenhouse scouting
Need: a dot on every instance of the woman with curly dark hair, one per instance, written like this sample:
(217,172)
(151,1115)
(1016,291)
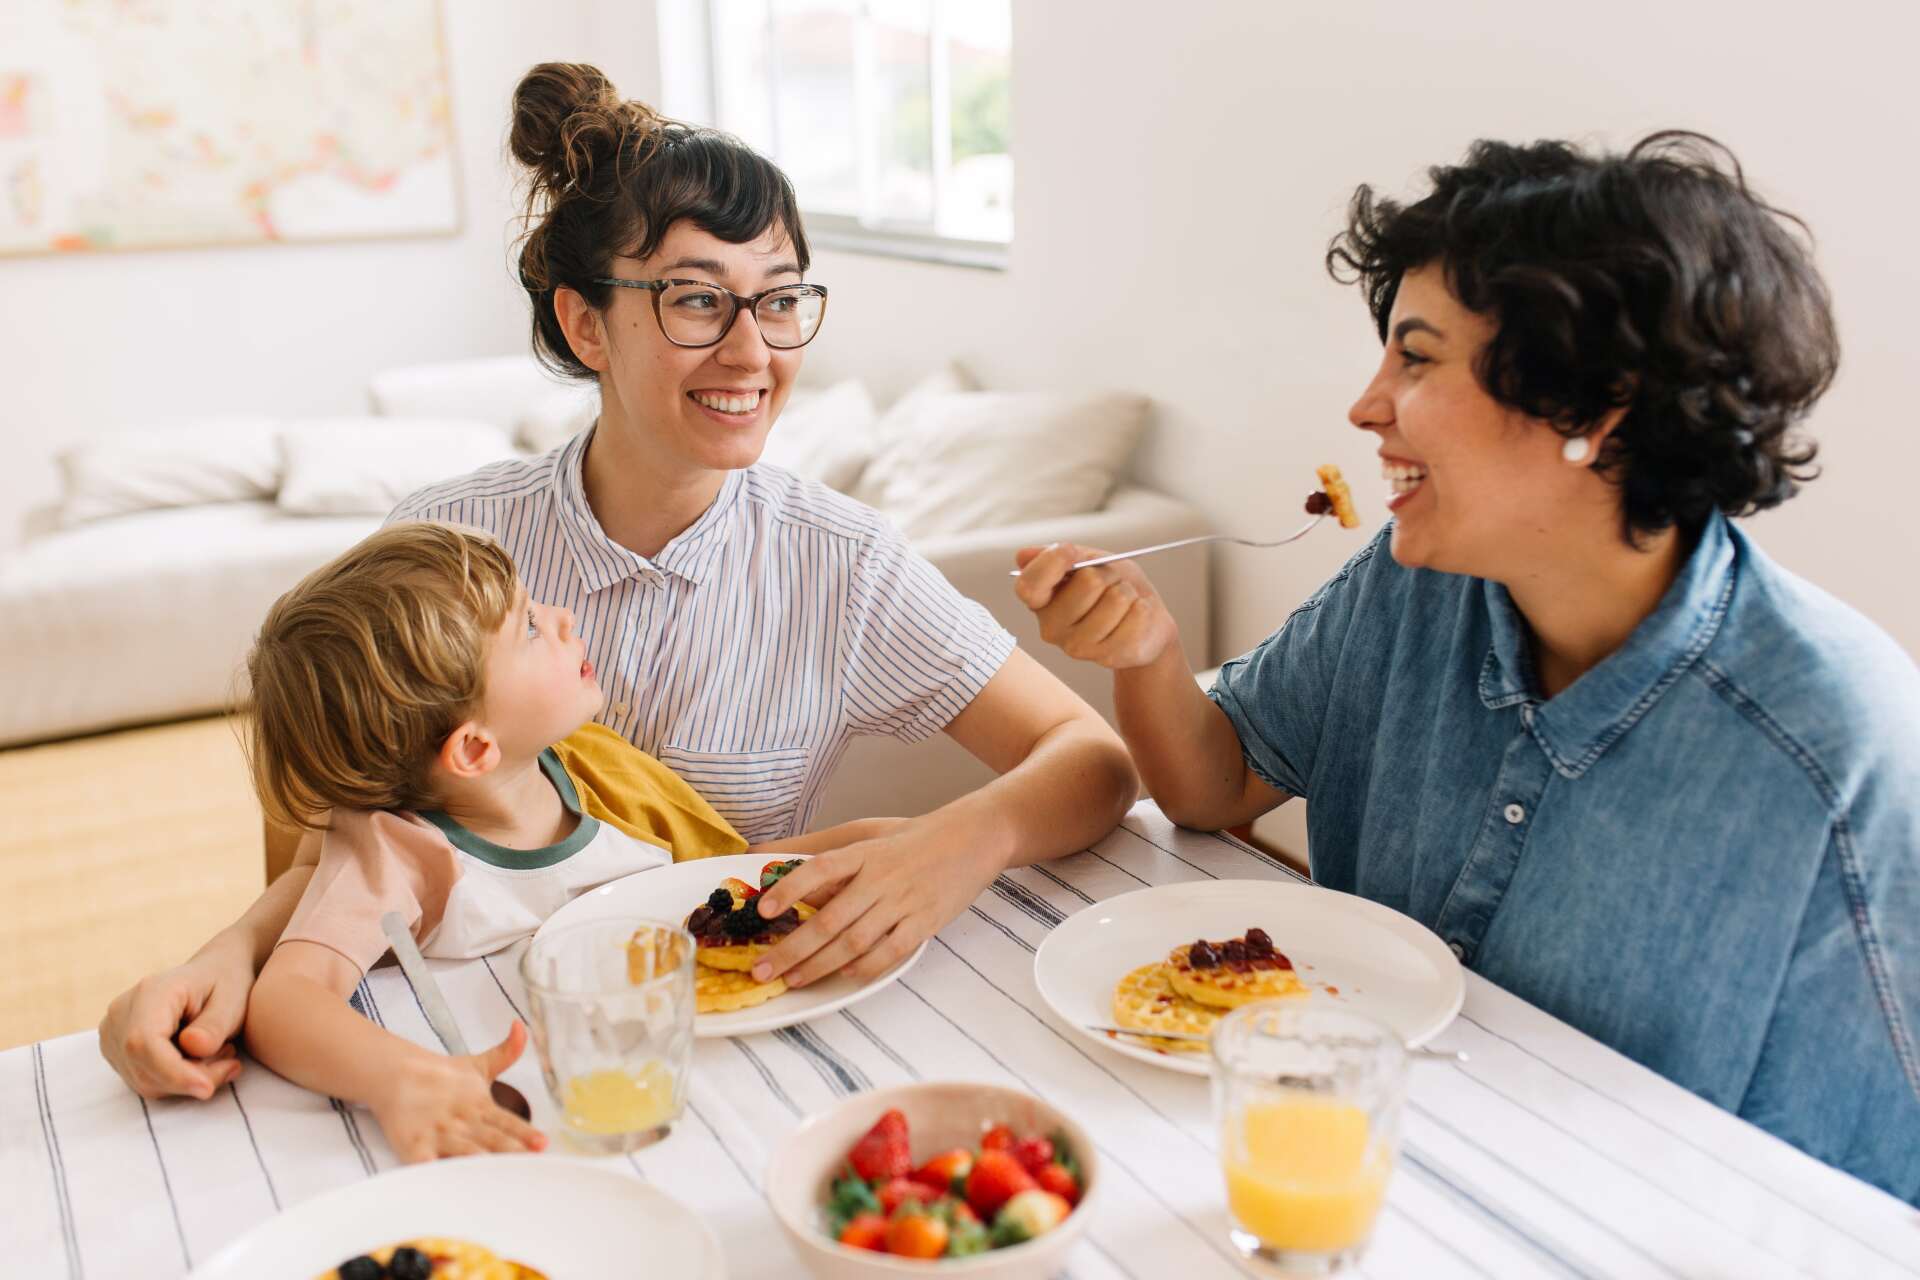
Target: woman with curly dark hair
(1562,711)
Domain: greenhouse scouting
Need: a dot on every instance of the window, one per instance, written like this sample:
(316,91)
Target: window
(892,117)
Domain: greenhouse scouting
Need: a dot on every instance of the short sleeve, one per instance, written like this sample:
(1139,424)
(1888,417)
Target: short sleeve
(917,651)
(1277,695)
(372,863)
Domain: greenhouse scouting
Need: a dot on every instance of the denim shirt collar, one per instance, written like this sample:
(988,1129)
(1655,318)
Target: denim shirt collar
(1576,727)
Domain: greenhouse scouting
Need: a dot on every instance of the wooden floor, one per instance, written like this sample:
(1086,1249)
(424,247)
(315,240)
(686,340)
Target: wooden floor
(119,854)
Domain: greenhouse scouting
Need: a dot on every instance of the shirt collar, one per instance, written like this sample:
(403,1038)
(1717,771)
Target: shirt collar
(1578,725)
(601,561)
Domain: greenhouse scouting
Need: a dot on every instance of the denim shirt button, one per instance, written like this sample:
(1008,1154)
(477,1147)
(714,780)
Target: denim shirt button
(1515,814)
(1459,952)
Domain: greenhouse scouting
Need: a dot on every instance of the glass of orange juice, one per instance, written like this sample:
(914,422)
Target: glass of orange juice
(1307,1099)
(611,1009)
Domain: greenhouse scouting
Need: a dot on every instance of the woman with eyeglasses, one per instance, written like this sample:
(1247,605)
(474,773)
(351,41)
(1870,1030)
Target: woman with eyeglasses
(745,625)
(1562,711)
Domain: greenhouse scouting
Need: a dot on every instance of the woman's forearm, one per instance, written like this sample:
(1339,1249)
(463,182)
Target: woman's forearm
(252,936)
(1184,746)
(1072,788)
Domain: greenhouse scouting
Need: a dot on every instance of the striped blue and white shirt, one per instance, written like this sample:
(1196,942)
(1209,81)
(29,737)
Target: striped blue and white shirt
(750,651)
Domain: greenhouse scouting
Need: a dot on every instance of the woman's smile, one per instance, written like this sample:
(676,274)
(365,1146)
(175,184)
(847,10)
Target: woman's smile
(735,407)
(1405,478)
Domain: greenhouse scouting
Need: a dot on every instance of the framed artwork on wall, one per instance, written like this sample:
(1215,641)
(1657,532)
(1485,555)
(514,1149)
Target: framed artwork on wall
(142,124)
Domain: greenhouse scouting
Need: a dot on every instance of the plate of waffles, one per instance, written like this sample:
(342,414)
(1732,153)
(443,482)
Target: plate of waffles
(714,897)
(1176,958)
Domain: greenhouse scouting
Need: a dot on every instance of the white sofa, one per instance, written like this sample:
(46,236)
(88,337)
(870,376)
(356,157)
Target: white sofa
(147,616)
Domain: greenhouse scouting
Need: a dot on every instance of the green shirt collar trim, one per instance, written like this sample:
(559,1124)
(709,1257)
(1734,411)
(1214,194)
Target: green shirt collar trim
(498,855)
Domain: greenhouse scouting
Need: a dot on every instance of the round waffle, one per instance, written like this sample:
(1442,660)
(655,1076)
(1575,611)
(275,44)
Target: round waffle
(1228,988)
(740,956)
(1145,1001)
(453,1260)
(724,990)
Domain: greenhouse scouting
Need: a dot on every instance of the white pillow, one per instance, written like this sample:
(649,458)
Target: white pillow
(492,389)
(825,435)
(557,416)
(982,459)
(364,466)
(220,460)
(897,421)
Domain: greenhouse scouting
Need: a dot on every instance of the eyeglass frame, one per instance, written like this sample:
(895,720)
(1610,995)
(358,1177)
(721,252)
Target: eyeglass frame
(740,303)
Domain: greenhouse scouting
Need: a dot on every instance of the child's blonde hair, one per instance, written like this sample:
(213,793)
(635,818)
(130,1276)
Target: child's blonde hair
(359,673)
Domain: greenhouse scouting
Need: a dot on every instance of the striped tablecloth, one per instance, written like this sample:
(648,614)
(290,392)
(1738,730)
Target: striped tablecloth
(1545,1154)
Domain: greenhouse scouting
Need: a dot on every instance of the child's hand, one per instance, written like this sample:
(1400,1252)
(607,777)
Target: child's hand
(435,1106)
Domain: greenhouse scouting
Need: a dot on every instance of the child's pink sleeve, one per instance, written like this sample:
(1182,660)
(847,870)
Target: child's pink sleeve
(372,863)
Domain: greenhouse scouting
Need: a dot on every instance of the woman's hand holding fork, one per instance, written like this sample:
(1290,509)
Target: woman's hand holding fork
(1108,614)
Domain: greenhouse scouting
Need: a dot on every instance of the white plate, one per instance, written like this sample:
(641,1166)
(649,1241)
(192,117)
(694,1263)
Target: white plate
(1347,949)
(559,1216)
(671,893)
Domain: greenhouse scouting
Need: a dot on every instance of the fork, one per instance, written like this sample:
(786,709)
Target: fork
(1137,552)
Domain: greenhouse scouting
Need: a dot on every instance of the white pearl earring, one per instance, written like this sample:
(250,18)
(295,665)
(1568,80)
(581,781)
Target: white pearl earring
(1576,449)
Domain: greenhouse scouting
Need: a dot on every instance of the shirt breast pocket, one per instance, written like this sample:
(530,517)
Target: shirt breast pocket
(757,791)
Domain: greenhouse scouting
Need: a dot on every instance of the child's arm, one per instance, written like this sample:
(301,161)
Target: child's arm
(428,1104)
(829,838)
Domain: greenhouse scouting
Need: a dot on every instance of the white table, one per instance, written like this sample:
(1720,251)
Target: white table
(1545,1154)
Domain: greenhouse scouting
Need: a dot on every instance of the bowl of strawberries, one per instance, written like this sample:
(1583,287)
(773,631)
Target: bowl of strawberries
(948,1178)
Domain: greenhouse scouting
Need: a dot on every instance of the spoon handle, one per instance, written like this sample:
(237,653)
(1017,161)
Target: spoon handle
(432,1003)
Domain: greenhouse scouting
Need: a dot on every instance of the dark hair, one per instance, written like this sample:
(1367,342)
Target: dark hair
(609,177)
(1653,281)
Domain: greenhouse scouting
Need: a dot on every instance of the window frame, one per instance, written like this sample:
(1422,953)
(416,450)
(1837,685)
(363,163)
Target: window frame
(690,58)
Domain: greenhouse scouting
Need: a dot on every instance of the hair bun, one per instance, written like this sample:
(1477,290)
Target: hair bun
(567,116)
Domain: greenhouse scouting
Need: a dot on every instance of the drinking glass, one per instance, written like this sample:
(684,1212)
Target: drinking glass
(611,1004)
(1307,1099)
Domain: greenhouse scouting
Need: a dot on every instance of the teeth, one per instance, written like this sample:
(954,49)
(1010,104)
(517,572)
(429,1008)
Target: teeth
(1403,477)
(726,403)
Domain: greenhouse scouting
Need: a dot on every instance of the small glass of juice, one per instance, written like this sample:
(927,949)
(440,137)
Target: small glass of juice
(611,1010)
(1307,1099)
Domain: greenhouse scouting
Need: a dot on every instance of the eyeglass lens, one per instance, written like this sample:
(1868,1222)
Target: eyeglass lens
(695,314)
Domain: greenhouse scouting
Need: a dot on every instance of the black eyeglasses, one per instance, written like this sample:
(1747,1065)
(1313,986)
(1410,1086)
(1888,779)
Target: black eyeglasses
(693,313)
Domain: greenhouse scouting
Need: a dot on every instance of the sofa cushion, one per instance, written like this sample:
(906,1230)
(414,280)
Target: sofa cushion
(981,459)
(827,436)
(364,466)
(180,465)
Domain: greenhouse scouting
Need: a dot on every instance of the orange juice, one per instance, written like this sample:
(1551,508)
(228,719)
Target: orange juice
(614,1102)
(1306,1177)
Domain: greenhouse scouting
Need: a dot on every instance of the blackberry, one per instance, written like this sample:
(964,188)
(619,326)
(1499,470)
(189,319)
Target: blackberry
(720,900)
(744,923)
(408,1263)
(360,1268)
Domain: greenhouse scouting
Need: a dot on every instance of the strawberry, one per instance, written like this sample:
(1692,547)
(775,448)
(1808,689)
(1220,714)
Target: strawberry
(945,1167)
(883,1152)
(998,1138)
(896,1191)
(996,1178)
(1034,1154)
(915,1235)
(1055,1178)
(867,1231)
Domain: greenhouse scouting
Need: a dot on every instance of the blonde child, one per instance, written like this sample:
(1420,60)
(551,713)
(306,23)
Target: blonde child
(411,701)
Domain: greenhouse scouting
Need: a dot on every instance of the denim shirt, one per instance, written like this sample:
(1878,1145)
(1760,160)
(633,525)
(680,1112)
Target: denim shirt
(1705,852)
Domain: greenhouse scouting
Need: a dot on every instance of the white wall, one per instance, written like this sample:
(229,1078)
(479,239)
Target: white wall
(94,341)
(1180,169)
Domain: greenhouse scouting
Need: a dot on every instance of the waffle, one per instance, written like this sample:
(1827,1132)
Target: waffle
(1145,1001)
(453,1260)
(739,957)
(1224,987)
(1339,494)
(724,990)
